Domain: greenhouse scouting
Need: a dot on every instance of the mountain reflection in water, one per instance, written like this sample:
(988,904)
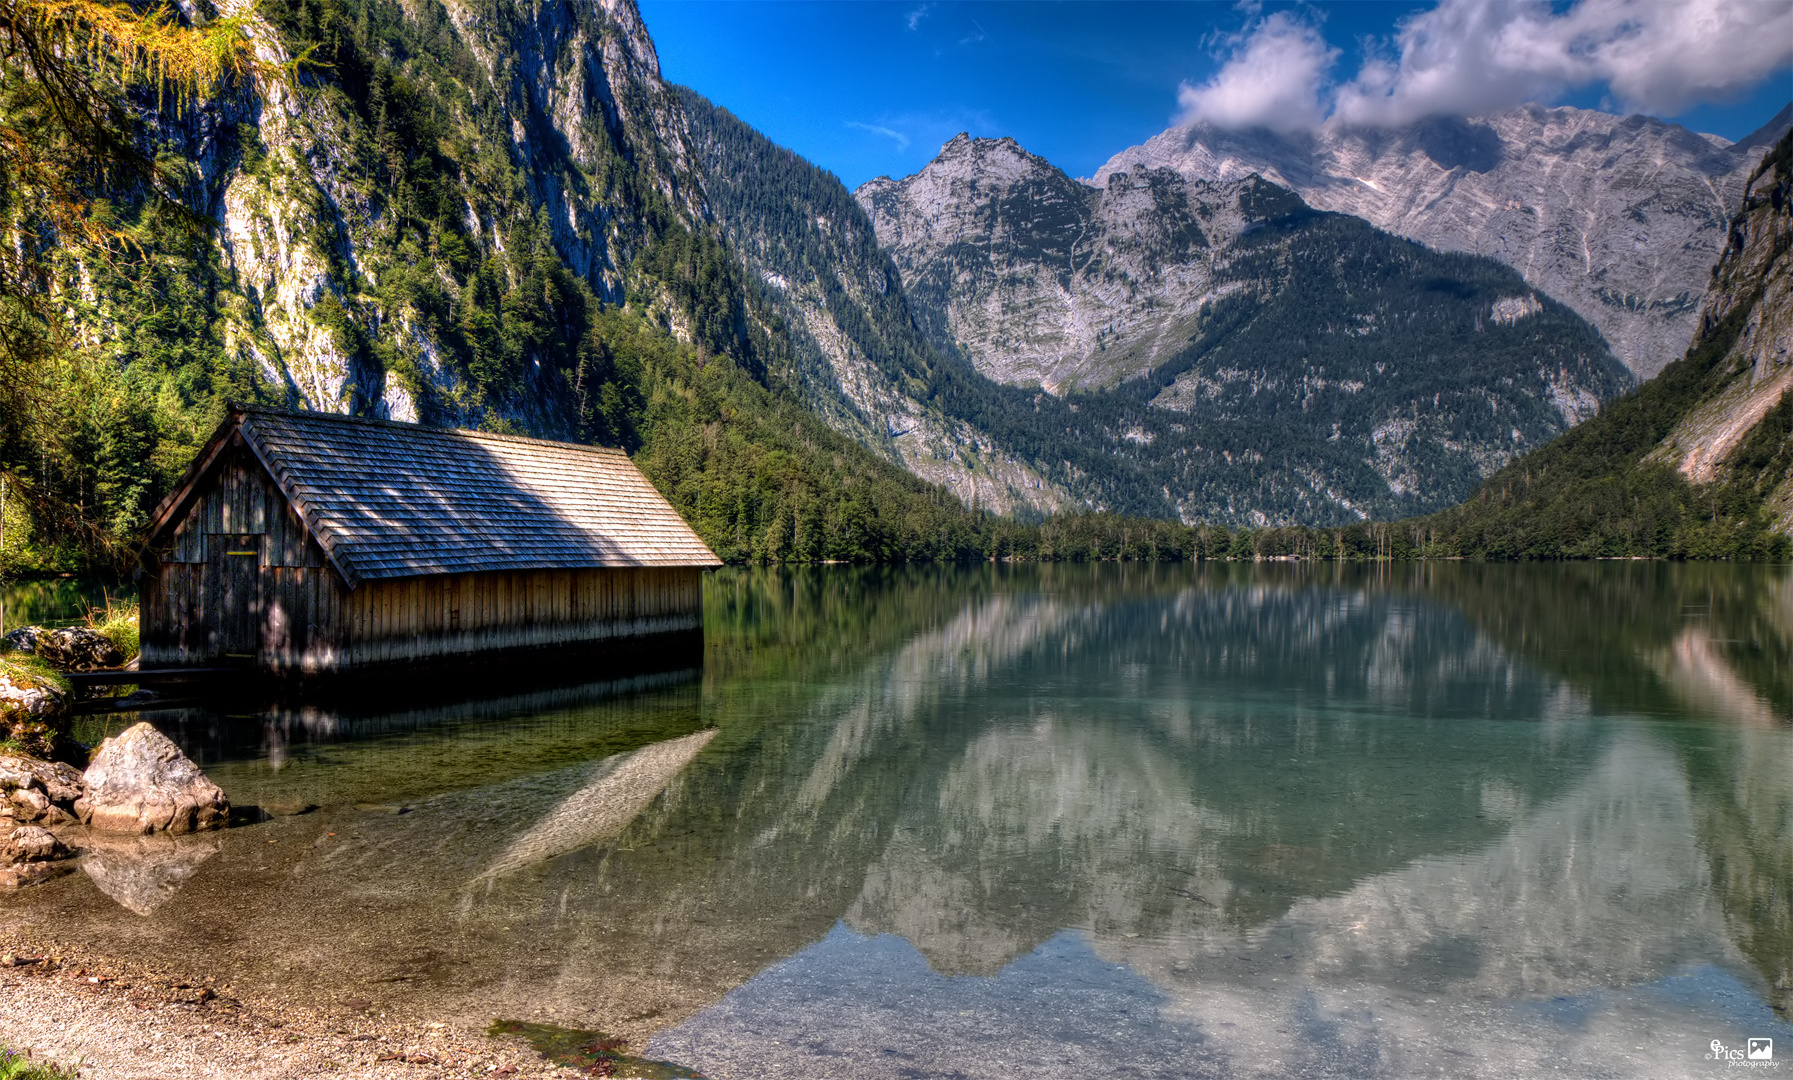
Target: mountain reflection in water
(1075,820)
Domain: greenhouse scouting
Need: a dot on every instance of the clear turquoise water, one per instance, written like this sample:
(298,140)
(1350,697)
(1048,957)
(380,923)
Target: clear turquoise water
(1065,821)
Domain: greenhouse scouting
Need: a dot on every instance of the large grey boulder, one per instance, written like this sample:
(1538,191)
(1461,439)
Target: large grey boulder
(38,791)
(140,782)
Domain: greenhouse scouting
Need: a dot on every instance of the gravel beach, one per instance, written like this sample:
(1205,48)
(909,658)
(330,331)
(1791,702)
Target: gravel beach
(119,1022)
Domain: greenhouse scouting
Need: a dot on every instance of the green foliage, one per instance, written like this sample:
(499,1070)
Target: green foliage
(117,623)
(17,1066)
(31,668)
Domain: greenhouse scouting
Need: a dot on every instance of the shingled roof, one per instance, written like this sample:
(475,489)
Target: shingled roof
(392,500)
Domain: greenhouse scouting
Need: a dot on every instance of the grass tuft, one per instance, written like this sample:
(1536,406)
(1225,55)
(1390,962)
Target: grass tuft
(32,667)
(15,1065)
(117,622)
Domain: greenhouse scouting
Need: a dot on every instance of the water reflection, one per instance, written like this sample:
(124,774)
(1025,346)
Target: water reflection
(58,601)
(1184,821)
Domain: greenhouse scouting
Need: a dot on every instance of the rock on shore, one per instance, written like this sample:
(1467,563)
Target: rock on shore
(38,791)
(32,854)
(72,648)
(140,782)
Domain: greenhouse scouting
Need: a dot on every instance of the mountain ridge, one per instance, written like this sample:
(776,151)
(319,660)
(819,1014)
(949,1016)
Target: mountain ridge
(1617,217)
(505,218)
(1236,337)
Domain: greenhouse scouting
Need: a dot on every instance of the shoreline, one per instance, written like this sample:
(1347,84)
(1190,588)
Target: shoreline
(110,1020)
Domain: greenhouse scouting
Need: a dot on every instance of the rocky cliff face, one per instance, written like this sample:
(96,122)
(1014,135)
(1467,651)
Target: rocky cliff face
(1695,463)
(1260,361)
(1046,281)
(1749,314)
(548,116)
(856,354)
(1620,218)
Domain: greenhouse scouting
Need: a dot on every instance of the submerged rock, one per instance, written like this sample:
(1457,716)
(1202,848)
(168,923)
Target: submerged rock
(71,648)
(20,875)
(140,782)
(38,791)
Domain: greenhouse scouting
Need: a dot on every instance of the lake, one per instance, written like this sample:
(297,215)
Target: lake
(1058,821)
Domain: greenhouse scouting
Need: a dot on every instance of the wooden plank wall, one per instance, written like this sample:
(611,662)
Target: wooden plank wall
(311,623)
(410,619)
(298,596)
(242,498)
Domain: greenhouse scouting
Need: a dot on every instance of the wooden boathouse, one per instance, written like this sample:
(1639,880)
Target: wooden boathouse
(310,543)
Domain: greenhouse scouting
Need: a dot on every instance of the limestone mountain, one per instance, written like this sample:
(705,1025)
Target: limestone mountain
(1261,361)
(1046,281)
(502,216)
(1697,462)
(857,355)
(476,214)
(1620,218)
(429,145)
(1728,435)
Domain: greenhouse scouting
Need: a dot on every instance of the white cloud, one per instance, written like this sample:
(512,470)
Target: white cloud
(1274,79)
(901,140)
(1469,57)
(1660,56)
(915,17)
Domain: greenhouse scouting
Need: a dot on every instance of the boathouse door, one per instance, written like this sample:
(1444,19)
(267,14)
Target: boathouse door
(234,600)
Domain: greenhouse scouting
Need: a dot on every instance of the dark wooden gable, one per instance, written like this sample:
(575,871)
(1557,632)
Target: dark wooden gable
(236,552)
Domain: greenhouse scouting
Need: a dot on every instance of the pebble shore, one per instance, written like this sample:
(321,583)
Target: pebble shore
(116,1022)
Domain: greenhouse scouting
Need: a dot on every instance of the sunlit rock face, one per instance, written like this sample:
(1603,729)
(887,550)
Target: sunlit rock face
(1620,218)
(307,230)
(857,356)
(1235,332)
(1747,321)
(1047,281)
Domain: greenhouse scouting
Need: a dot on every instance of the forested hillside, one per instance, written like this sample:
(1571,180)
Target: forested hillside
(496,229)
(1697,462)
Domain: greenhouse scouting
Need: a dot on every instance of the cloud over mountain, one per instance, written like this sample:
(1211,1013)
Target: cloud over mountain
(1274,79)
(1468,57)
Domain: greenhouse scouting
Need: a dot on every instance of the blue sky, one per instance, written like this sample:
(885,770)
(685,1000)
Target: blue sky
(864,88)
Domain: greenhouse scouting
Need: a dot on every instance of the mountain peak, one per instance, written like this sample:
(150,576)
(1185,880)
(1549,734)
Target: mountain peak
(966,147)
